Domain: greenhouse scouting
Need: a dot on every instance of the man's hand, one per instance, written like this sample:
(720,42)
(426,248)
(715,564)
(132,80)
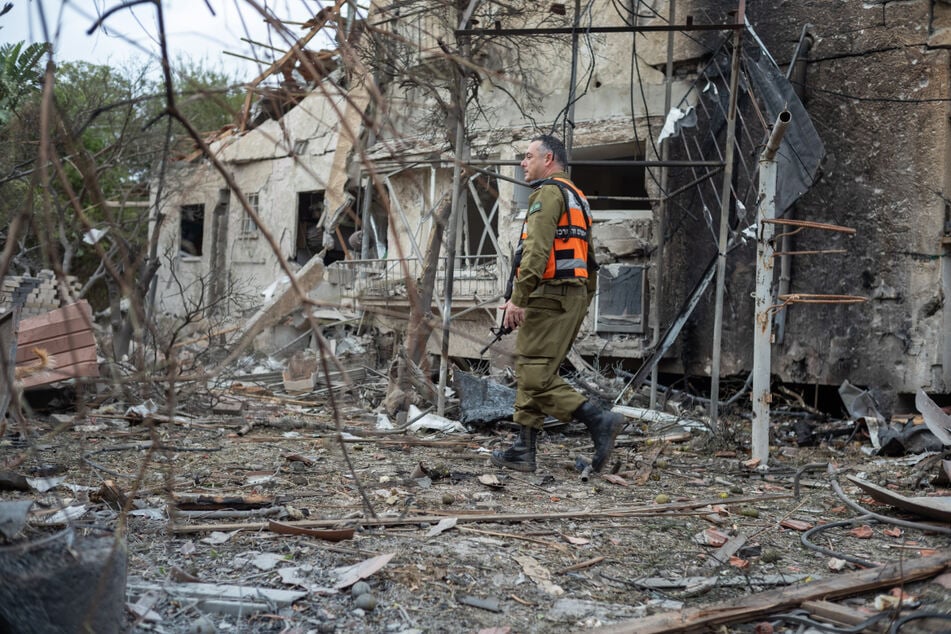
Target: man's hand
(513,315)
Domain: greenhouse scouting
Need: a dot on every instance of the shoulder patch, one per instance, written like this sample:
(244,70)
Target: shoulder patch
(536,206)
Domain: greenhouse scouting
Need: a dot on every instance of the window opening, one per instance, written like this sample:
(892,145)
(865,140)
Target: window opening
(249,228)
(620,300)
(310,235)
(613,187)
(482,220)
(192,228)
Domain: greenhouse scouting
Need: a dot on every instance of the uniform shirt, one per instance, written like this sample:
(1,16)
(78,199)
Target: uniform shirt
(545,207)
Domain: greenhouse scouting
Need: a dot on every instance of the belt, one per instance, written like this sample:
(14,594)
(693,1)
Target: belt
(564,289)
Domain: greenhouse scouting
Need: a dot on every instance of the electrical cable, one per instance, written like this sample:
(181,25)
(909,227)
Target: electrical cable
(803,617)
(884,518)
(914,616)
(804,538)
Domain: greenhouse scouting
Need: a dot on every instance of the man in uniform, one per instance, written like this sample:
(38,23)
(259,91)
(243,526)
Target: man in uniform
(550,294)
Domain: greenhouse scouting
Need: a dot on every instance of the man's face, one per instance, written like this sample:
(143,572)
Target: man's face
(536,162)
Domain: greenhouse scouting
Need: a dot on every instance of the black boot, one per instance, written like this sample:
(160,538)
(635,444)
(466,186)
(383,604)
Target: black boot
(521,455)
(604,426)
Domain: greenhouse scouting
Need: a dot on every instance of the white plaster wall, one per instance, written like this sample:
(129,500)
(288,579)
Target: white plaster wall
(259,161)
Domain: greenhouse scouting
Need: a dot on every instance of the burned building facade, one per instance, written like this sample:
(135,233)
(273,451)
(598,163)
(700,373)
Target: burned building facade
(665,105)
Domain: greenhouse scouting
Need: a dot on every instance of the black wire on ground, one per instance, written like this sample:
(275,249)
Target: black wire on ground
(920,526)
(809,467)
(825,551)
(897,625)
(803,618)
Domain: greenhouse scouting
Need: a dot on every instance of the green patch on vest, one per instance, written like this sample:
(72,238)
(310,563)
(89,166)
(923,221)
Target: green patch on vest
(536,206)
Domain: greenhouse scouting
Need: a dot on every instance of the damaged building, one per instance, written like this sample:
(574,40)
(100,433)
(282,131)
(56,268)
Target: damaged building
(666,107)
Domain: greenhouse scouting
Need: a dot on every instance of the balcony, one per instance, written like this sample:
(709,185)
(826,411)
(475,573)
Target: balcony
(383,282)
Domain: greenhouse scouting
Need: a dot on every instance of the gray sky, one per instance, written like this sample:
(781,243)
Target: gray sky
(191,30)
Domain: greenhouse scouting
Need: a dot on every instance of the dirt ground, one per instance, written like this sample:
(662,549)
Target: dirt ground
(465,547)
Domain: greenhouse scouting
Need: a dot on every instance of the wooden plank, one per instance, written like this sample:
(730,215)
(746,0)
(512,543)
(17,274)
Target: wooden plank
(744,609)
(43,331)
(87,369)
(58,347)
(66,335)
(80,310)
(843,615)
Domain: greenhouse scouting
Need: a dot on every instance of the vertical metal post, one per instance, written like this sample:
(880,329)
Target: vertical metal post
(725,196)
(658,293)
(457,209)
(946,317)
(763,324)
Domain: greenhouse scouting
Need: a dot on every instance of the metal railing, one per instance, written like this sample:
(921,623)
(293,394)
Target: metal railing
(473,277)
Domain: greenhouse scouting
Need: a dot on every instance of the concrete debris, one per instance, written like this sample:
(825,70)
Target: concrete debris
(224,598)
(13,517)
(482,400)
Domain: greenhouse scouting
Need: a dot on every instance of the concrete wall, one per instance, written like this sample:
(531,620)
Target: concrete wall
(877,90)
(261,161)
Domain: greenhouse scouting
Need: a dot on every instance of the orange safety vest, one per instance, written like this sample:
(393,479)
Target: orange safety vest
(569,253)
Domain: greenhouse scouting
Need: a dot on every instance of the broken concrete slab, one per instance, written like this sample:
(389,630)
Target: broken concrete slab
(482,400)
(13,517)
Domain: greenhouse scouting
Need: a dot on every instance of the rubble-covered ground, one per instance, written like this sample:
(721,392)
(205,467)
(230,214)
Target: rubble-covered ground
(431,538)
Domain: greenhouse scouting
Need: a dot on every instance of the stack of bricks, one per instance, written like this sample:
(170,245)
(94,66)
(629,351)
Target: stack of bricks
(37,295)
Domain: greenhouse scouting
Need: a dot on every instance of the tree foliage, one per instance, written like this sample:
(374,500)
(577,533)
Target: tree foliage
(107,132)
(20,75)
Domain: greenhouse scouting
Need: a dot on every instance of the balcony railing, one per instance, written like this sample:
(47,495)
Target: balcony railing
(474,277)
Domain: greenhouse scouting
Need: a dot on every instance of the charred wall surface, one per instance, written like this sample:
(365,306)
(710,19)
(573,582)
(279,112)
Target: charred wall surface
(876,89)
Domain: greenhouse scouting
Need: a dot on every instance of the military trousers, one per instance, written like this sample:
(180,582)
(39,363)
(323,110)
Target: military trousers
(553,316)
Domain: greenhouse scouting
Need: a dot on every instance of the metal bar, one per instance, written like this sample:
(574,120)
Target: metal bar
(724,224)
(670,335)
(826,252)
(809,224)
(570,115)
(817,298)
(605,162)
(486,219)
(645,28)
(458,207)
(399,209)
(662,208)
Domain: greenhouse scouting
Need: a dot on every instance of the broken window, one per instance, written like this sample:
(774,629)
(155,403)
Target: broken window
(192,229)
(620,300)
(310,235)
(416,33)
(609,182)
(249,228)
(482,224)
(612,187)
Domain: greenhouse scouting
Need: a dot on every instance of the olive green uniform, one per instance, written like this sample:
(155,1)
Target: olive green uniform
(554,311)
